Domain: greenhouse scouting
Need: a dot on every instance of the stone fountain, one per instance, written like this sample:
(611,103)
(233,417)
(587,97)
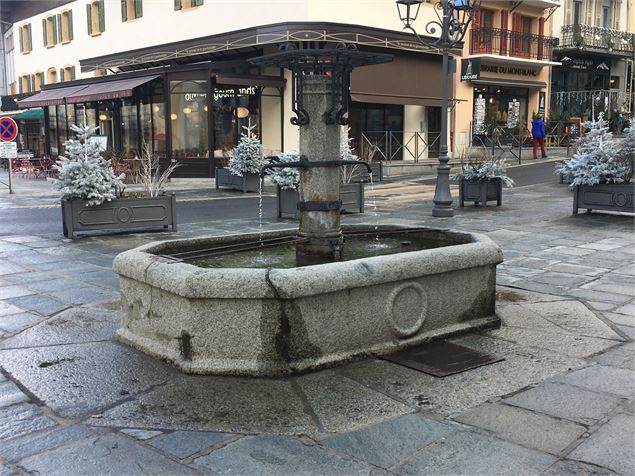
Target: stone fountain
(325,308)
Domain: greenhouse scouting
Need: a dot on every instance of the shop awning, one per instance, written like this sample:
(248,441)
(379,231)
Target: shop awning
(120,88)
(407,80)
(31,114)
(513,83)
(50,97)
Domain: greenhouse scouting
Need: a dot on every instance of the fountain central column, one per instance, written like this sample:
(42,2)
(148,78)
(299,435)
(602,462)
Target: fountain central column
(319,186)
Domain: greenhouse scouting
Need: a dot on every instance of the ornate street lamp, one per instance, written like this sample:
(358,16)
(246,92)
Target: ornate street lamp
(453,19)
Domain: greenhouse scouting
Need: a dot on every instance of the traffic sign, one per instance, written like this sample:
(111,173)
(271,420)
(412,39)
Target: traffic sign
(8,150)
(8,129)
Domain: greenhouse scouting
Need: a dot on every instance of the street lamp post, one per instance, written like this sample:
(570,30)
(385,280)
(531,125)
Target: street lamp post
(453,18)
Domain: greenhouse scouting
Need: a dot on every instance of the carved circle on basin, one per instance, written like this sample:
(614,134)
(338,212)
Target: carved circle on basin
(620,199)
(124,214)
(407,309)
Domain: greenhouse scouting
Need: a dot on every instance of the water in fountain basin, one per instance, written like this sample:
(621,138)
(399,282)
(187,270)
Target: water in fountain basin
(284,256)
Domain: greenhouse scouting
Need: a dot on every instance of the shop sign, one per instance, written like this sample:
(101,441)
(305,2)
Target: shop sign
(229,92)
(479,115)
(470,69)
(486,68)
(542,98)
(513,113)
(8,150)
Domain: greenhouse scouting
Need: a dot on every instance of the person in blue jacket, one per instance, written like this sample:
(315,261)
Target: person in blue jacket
(538,136)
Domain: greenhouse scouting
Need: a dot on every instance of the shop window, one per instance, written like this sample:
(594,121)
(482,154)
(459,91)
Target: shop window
(65,20)
(234,108)
(26,40)
(129,127)
(67,73)
(51,76)
(96,18)
(52,130)
(188,119)
(186,4)
(131,9)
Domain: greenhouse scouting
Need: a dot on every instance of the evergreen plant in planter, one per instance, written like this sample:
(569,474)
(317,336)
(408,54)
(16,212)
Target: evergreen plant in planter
(245,162)
(482,181)
(92,195)
(601,170)
(287,180)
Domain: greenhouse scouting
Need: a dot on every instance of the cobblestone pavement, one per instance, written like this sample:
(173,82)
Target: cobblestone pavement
(74,401)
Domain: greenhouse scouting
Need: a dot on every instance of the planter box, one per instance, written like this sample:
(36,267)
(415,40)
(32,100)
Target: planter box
(120,213)
(351,194)
(616,197)
(481,192)
(246,183)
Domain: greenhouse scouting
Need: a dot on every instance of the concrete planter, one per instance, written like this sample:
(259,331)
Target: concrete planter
(121,213)
(351,194)
(247,183)
(616,197)
(480,192)
(277,321)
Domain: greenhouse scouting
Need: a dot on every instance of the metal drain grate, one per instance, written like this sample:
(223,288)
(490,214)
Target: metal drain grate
(441,358)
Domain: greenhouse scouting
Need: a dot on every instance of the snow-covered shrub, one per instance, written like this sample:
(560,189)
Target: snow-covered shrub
(347,171)
(596,159)
(84,174)
(484,170)
(286,178)
(247,156)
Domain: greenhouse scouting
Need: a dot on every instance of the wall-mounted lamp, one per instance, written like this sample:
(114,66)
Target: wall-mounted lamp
(103,117)
(173,116)
(241,112)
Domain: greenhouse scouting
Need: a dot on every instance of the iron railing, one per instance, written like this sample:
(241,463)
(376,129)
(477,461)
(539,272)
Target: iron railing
(399,145)
(512,43)
(595,37)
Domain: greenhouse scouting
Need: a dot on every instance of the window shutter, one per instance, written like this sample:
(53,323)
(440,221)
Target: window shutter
(89,17)
(138,8)
(197,3)
(72,73)
(29,39)
(60,30)
(177,4)
(31,83)
(70,24)
(55,29)
(42,83)
(102,17)
(20,89)
(44,31)
(124,10)
(62,78)
(21,31)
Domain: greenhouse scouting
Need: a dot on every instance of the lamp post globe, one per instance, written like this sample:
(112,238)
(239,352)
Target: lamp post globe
(453,19)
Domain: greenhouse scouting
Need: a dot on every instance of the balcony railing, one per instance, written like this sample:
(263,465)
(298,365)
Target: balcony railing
(512,44)
(594,37)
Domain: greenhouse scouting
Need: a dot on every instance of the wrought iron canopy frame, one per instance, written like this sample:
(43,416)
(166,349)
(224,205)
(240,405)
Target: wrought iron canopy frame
(337,63)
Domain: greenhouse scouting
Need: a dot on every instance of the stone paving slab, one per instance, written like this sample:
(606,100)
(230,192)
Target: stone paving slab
(523,427)
(103,454)
(31,444)
(565,401)
(388,443)
(475,454)
(603,379)
(183,444)
(277,456)
(22,419)
(79,379)
(612,446)
(11,394)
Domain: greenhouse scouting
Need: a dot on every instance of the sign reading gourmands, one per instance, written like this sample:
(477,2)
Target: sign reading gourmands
(470,69)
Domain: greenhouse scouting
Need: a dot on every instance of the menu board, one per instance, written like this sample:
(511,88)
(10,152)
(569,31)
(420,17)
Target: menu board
(479,115)
(513,111)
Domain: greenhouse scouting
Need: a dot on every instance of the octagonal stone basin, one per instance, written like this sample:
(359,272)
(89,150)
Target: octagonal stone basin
(278,321)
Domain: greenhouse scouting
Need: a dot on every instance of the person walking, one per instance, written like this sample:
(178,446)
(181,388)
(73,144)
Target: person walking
(538,136)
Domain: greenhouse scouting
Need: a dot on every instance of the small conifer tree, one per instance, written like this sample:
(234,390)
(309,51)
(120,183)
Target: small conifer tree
(247,156)
(84,174)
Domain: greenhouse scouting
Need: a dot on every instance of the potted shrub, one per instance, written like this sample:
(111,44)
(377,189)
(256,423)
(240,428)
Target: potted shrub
(287,180)
(245,162)
(93,196)
(482,181)
(601,169)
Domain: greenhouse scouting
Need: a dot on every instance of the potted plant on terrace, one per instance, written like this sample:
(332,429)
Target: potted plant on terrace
(245,162)
(601,170)
(93,196)
(287,180)
(482,181)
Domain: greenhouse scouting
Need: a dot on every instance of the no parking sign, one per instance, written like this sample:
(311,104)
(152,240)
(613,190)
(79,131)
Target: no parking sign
(8,129)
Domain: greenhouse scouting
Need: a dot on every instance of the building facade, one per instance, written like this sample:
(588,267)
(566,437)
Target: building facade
(174,74)
(503,77)
(597,51)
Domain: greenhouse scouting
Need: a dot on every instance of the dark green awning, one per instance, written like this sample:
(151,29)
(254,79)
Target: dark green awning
(31,114)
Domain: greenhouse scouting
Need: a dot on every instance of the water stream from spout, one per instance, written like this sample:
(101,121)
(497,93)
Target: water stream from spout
(262,180)
(373,204)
